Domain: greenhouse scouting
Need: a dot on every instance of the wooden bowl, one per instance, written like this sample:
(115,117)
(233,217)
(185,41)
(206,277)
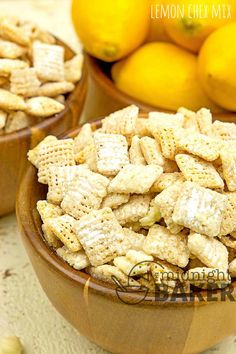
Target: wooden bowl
(14,146)
(103,97)
(120,322)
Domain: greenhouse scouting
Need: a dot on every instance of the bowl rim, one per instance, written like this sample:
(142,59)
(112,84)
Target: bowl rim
(30,224)
(47,122)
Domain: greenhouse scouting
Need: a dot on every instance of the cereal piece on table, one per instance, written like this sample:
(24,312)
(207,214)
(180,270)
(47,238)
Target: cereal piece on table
(228,241)
(24,82)
(195,262)
(232,268)
(33,155)
(204,118)
(122,122)
(11,102)
(59,179)
(47,210)
(18,120)
(200,209)
(114,200)
(197,170)
(151,151)
(136,208)
(107,273)
(43,107)
(11,32)
(85,193)
(111,153)
(157,120)
(9,50)
(228,224)
(100,235)
(166,180)
(133,240)
(190,120)
(153,215)
(3,119)
(135,152)
(209,250)
(224,130)
(84,138)
(166,202)
(166,138)
(63,228)
(48,61)
(135,179)
(134,263)
(53,89)
(78,260)
(161,243)
(198,144)
(166,273)
(7,66)
(228,159)
(203,277)
(50,237)
(73,68)
(54,153)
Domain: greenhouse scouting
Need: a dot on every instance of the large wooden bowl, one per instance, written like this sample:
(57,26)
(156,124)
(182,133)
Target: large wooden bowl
(14,146)
(96,311)
(103,97)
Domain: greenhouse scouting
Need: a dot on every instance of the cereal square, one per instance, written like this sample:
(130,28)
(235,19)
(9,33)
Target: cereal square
(161,243)
(101,236)
(200,209)
(135,179)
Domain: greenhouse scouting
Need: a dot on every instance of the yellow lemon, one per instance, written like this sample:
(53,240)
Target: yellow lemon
(216,66)
(110,30)
(157,30)
(189,22)
(163,75)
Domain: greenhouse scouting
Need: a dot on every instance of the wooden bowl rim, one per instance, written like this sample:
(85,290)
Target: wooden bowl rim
(30,224)
(47,122)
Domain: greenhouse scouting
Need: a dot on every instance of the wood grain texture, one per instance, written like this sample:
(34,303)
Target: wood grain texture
(93,307)
(103,97)
(14,146)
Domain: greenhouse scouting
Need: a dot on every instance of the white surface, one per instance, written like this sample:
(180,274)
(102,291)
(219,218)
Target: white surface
(24,309)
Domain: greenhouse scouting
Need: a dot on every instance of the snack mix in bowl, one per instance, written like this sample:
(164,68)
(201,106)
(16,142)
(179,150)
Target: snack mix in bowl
(34,77)
(157,192)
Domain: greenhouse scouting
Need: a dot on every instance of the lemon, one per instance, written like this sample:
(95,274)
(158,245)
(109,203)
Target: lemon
(199,19)
(157,31)
(216,66)
(109,30)
(163,75)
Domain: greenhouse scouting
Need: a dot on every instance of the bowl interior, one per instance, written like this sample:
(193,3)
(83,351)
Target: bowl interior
(45,123)
(30,192)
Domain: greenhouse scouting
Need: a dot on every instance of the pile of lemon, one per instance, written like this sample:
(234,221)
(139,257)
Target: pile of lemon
(166,62)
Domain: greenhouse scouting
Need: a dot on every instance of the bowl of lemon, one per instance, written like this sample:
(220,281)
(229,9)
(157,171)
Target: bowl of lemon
(158,54)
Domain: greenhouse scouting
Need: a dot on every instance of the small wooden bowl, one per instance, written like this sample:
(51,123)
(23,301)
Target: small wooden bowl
(14,146)
(103,97)
(120,322)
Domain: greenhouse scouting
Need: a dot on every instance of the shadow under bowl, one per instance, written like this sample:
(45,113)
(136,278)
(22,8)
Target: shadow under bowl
(14,146)
(120,321)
